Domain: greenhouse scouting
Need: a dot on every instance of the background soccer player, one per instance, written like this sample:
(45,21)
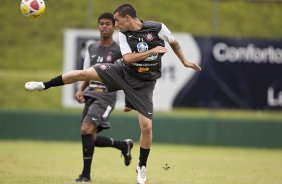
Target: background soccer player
(99,101)
(142,47)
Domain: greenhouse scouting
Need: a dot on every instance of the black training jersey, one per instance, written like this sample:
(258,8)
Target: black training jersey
(151,34)
(97,54)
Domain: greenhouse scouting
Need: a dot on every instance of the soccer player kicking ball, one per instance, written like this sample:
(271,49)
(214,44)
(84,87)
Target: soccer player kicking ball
(142,47)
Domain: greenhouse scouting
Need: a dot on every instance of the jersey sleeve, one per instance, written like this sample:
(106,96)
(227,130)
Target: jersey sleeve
(86,63)
(165,34)
(123,44)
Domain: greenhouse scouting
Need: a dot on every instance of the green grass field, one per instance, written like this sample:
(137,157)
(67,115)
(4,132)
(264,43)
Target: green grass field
(60,162)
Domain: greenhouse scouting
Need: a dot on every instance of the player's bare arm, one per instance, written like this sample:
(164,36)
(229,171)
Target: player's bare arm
(178,51)
(136,57)
(79,94)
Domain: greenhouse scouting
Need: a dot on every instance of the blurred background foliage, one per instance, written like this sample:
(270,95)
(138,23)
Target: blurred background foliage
(32,49)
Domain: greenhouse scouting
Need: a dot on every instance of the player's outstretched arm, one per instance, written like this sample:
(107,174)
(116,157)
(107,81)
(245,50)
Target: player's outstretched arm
(177,50)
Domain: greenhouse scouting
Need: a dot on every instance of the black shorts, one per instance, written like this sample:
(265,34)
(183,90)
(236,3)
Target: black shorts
(138,93)
(97,112)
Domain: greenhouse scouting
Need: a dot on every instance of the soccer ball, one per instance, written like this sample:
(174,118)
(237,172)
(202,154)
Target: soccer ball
(32,8)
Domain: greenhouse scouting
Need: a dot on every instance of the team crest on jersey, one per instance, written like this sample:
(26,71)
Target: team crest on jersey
(142,47)
(104,67)
(109,57)
(149,37)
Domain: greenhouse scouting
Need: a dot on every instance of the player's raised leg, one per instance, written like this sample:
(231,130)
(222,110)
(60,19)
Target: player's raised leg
(81,75)
(67,78)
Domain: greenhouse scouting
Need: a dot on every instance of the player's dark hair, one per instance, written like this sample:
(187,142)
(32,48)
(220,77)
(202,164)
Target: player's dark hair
(107,16)
(126,9)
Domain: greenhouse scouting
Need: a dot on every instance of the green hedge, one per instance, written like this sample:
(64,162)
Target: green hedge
(201,131)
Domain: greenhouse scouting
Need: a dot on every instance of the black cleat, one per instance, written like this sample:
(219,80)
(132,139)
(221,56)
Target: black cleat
(126,152)
(82,179)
